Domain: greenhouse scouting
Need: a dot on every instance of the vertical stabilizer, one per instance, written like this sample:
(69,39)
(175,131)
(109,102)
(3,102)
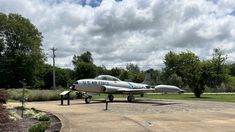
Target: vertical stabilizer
(148,78)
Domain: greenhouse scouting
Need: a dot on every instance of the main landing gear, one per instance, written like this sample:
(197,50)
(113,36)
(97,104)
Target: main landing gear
(130,98)
(88,99)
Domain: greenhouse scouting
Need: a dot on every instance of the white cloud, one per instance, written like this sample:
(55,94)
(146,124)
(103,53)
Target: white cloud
(136,31)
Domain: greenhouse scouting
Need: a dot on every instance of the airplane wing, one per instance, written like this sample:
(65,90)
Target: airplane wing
(158,88)
(112,89)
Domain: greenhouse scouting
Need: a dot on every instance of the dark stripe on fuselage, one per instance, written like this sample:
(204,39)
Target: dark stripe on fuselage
(97,83)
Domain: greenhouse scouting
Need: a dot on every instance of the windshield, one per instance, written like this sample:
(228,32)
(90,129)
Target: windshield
(107,77)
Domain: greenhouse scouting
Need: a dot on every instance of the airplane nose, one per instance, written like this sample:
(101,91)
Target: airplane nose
(72,87)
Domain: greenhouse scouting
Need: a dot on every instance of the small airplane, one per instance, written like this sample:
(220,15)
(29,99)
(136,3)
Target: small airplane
(112,85)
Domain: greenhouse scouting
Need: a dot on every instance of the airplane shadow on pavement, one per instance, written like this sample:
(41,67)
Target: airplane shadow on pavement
(137,101)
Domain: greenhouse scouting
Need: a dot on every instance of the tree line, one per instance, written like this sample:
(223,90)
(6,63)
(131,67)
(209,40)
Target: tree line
(22,58)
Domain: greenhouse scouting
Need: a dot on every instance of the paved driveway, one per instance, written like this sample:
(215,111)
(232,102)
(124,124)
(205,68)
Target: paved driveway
(143,116)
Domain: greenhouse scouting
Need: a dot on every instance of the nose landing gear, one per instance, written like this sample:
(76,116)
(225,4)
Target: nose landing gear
(110,97)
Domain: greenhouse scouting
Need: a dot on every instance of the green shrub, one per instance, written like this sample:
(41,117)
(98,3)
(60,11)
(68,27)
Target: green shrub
(35,110)
(36,114)
(20,108)
(44,118)
(30,112)
(41,116)
(40,127)
(230,84)
(14,116)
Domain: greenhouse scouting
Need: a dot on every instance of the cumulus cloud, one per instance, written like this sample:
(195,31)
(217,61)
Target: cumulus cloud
(130,31)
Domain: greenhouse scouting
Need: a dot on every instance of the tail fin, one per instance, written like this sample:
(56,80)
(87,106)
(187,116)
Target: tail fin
(148,78)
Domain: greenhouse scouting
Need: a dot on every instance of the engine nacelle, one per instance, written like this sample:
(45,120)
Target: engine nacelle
(107,89)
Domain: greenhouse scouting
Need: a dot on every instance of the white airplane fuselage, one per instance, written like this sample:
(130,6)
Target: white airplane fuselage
(106,86)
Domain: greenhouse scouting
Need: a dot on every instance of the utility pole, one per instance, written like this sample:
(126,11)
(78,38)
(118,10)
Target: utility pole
(53,50)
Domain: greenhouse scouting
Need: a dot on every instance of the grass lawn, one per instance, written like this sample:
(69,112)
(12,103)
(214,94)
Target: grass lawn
(48,95)
(36,94)
(204,97)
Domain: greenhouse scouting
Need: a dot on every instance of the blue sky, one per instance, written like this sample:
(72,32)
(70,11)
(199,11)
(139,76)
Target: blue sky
(130,31)
(92,3)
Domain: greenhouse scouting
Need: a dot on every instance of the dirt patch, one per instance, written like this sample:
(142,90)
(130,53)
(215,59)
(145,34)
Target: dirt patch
(18,126)
(3,114)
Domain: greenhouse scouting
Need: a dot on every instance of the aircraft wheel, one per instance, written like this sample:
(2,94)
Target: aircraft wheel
(88,99)
(130,98)
(110,97)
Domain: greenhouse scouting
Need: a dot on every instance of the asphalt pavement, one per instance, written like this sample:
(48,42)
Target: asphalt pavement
(154,115)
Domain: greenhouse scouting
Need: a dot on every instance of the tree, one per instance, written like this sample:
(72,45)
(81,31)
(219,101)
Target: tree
(124,75)
(231,68)
(219,69)
(214,71)
(171,61)
(85,70)
(155,76)
(115,71)
(133,68)
(83,66)
(47,76)
(20,50)
(174,79)
(101,70)
(185,65)
(64,77)
(134,73)
(138,78)
(85,57)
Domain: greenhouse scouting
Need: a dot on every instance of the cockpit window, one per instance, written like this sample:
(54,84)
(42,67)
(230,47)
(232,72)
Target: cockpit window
(107,77)
(76,82)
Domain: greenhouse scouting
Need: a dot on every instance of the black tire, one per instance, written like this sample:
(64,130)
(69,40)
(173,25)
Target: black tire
(130,98)
(141,95)
(110,97)
(88,99)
